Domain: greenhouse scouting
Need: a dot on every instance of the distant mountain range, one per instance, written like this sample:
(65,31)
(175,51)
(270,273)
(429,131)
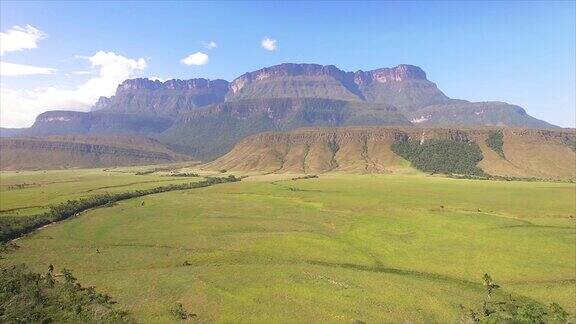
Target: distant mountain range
(206,118)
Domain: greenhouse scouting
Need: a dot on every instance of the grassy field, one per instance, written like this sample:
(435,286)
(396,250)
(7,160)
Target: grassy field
(340,248)
(31,192)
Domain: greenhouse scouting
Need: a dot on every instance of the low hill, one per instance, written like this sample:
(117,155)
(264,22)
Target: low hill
(60,152)
(61,122)
(9,132)
(511,152)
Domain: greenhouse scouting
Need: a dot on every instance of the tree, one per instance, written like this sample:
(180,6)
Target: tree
(489,285)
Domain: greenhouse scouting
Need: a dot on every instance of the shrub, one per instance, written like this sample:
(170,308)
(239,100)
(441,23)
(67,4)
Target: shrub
(507,309)
(179,312)
(185,175)
(28,297)
(310,176)
(496,143)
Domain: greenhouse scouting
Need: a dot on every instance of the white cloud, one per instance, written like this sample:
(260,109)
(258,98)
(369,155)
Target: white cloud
(210,44)
(197,58)
(155,78)
(269,44)
(20,107)
(81,72)
(19,38)
(11,69)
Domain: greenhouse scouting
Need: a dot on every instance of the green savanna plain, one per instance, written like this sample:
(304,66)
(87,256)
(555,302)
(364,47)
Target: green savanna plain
(338,248)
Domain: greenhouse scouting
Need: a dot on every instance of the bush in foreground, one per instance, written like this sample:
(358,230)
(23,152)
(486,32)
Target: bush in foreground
(508,309)
(28,297)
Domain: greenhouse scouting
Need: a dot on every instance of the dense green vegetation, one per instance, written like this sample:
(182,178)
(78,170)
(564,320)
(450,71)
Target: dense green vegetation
(441,156)
(308,176)
(185,175)
(28,297)
(14,226)
(571,143)
(495,141)
(338,248)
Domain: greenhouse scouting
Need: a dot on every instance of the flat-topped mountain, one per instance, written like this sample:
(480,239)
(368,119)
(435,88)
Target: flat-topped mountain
(153,97)
(207,117)
(403,86)
(482,151)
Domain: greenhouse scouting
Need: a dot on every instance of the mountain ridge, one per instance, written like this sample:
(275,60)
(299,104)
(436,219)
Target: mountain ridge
(207,117)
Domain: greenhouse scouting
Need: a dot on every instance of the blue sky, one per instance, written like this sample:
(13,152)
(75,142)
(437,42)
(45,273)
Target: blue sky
(519,52)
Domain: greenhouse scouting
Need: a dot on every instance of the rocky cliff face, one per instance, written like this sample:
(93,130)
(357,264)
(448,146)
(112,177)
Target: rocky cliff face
(169,98)
(386,85)
(174,84)
(101,103)
(400,73)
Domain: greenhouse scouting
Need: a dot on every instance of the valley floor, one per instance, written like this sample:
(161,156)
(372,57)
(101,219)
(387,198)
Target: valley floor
(338,248)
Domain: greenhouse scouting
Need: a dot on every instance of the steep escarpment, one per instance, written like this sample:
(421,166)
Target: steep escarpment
(81,152)
(403,86)
(169,98)
(527,152)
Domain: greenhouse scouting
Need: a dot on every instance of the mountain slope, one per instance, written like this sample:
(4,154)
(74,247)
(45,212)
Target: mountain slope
(527,152)
(461,112)
(81,152)
(59,122)
(212,131)
(289,96)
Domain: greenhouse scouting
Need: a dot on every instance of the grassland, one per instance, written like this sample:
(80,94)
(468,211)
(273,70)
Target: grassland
(30,192)
(338,248)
